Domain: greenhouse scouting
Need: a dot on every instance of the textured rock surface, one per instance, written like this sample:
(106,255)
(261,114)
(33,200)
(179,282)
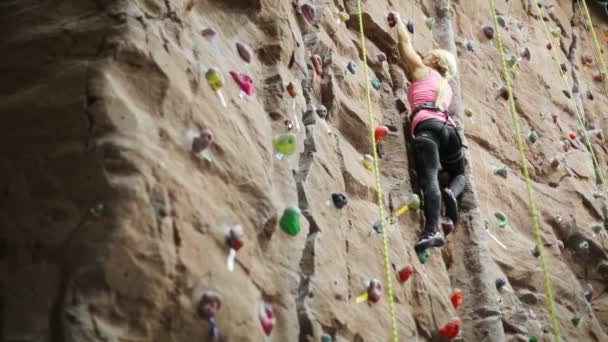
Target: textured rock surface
(111,228)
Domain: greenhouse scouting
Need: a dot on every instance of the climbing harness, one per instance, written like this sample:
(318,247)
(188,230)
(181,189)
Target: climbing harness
(520,145)
(371,123)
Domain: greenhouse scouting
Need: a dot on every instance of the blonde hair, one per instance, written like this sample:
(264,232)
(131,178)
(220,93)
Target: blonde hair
(446,62)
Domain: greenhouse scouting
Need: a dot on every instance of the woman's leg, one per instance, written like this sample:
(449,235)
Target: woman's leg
(453,162)
(426,147)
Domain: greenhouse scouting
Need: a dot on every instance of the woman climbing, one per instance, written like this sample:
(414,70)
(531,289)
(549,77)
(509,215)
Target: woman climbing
(437,143)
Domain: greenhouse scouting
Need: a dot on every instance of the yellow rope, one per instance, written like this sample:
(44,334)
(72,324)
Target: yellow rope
(597,44)
(524,165)
(387,264)
(571,96)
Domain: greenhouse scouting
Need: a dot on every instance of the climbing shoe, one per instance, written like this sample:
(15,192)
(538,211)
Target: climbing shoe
(435,239)
(451,205)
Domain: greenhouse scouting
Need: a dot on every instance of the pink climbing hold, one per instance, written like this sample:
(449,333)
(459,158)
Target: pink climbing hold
(447,225)
(317,64)
(382,57)
(244,81)
(267,318)
(381,132)
(308,12)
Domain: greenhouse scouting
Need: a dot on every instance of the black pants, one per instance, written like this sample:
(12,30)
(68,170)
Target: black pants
(437,144)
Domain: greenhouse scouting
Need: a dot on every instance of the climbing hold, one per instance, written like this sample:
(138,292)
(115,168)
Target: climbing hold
(405,273)
(339,200)
(447,225)
(234,239)
(202,142)
(267,318)
(245,82)
(596,228)
(392,21)
(429,23)
(599,77)
(533,339)
(556,32)
(317,64)
(352,67)
(244,51)
(501,171)
(285,144)
(583,246)
(564,67)
(504,92)
(488,31)
(308,12)
(555,163)
(292,90)
(451,329)
(380,132)
(457,298)
(502,219)
(412,201)
(368,162)
(410,26)
(588,292)
(209,304)
(512,61)
(572,135)
(555,117)
(376,84)
(216,82)
(210,34)
(576,320)
(486,224)
(326,338)
(377,227)
(424,256)
(533,136)
(290,221)
(322,111)
(589,95)
(468,113)
(500,284)
(549,46)
(374,290)
(535,252)
(587,60)
(526,54)
(501,21)
(343,17)
(381,57)
(469,46)
(288,125)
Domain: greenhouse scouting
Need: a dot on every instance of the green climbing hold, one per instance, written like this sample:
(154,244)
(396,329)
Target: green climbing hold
(533,136)
(501,21)
(576,320)
(326,338)
(290,221)
(285,143)
(486,224)
(501,171)
(424,256)
(376,84)
(533,339)
(503,221)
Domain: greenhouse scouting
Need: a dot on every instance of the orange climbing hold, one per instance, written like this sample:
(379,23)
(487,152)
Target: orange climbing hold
(451,329)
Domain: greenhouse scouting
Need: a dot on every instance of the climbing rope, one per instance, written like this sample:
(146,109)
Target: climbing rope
(571,97)
(598,48)
(524,165)
(387,263)
(599,67)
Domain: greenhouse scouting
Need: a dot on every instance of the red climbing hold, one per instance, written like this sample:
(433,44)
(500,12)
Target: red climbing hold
(457,298)
(374,290)
(381,132)
(451,329)
(267,318)
(406,273)
(316,64)
(391,20)
(244,81)
(572,135)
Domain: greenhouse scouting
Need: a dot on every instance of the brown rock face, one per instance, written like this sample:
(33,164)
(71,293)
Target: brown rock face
(112,229)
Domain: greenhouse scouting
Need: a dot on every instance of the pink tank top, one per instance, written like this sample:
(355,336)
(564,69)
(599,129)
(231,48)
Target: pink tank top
(425,90)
